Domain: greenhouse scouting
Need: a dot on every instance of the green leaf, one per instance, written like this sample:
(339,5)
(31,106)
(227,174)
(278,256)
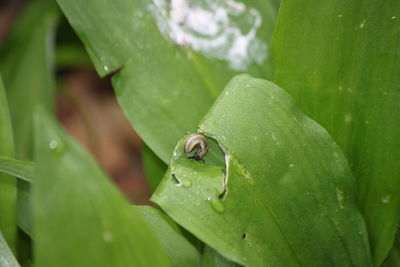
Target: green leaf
(212,258)
(7,258)
(27,69)
(8,188)
(80,218)
(19,168)
(178,249)
(23,170)
(154,168)
(162,85)
(341,61)
(393,260)
(285,195)
(27,64)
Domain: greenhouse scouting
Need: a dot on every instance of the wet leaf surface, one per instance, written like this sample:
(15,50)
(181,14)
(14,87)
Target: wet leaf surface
(344,72)
(277,181)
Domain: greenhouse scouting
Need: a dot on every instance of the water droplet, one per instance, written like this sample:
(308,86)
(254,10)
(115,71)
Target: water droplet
(106,68)
(386,199)
(393,17)
(56,146)
(107,236)
(187,184)
(308,193)
(340,197)
(216,204)
(53,144)
(291,165)
(347,118)
(340,15)
(362,25)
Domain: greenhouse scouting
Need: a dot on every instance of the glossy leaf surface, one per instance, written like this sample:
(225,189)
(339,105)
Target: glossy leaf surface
(8,186)
(91,224)
(172,60)
(283,197)
(341,61)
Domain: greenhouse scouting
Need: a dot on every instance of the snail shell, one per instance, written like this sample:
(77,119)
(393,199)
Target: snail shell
(199,142)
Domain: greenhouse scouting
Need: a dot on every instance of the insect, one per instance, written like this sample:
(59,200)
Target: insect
(197,141)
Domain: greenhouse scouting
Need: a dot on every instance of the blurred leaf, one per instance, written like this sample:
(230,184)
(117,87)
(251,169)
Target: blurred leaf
(178,249)
(7,258)
(212,258)
(154,168)
(163,86)
(18,168)
(341,61)
(71,55)
(286,194)
(91,224)
(8,189)
(26,64)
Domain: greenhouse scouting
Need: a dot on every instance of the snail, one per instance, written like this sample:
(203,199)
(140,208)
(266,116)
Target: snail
(199,142)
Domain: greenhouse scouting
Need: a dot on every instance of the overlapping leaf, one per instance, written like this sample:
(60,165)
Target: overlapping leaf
(80,217)
(26,61)
(8,188)
(19,168)
(283,197)
(164,86)
(341,61)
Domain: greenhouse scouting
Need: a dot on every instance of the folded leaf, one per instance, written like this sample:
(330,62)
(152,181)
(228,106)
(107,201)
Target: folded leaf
(7,258)
(8,186)
(341,61)
(19,168)
(172,58)
(285,195)
(80,218)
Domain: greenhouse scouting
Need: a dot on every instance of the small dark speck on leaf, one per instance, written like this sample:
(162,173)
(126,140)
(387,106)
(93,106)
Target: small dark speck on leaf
(244,236)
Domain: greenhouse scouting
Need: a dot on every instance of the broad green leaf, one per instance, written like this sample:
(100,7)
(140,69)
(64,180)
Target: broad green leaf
(284,195)
(8,187)
(19,168)
(173,59)
(212,258)
(178,249)
(154,168)
(341,61)
(7,258)
(80,218)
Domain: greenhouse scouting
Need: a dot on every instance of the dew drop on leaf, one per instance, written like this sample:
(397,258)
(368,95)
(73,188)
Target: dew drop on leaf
(216,204)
